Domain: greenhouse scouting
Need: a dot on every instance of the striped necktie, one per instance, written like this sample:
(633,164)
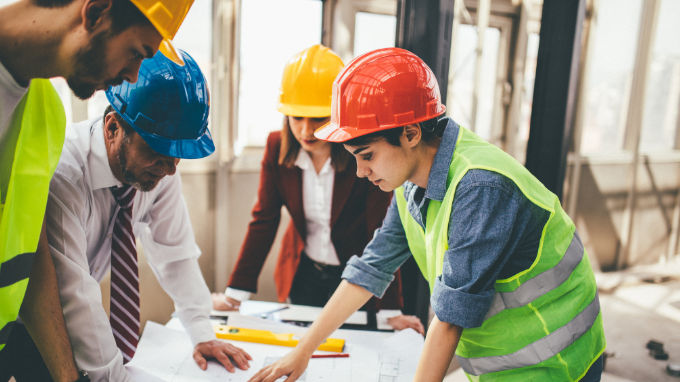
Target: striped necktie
(124,276)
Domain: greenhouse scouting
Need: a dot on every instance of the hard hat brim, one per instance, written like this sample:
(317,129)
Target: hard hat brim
(332,132)
(304,110)
(180,148)
(168,49)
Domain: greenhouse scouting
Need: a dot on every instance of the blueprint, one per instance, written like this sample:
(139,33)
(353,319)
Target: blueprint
(165,354)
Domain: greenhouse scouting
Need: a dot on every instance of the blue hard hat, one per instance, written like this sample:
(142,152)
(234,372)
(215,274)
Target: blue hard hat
(168,107)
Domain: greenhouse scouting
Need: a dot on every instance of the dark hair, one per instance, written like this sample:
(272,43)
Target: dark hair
(290,147)
(127,129)
(431,129)
(123,13)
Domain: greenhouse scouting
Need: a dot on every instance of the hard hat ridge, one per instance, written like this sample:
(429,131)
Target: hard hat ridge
(168,107)
(381,90)
(307,82)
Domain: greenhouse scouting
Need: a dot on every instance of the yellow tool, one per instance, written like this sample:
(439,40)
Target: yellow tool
(270,338)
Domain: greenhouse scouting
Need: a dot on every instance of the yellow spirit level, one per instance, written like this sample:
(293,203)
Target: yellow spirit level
(269,338)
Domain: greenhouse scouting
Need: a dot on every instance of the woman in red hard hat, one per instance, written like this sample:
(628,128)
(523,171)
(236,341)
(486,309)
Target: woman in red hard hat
(333,214)
(512,288)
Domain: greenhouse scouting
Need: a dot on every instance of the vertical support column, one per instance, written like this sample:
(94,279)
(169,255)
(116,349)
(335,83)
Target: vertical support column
(224,121)
(483,14)
(645,46)
(424,27)
(557,77)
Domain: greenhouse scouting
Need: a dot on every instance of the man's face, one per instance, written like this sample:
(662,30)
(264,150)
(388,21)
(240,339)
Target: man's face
(133,161)
(111,59)
(385,165)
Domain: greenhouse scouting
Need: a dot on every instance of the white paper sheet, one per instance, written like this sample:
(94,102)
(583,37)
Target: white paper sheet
(165,354)
(286,312)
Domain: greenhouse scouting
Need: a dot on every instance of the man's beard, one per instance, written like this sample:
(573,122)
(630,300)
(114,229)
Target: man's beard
(128,176)
(90,63)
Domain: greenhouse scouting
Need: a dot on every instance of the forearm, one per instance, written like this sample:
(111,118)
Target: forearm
(440,345)
(346,300)
(41,313)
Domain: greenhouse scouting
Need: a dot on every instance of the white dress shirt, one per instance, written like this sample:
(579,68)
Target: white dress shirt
(80,216)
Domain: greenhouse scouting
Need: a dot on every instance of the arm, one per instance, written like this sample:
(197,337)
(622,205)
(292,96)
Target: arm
(168,239)
(88,325)
(347,299)
(440,345)
(262,228)
(41,313)
(364,277)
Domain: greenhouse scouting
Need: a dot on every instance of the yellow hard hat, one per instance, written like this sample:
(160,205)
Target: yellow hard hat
(166,16)
(307,83)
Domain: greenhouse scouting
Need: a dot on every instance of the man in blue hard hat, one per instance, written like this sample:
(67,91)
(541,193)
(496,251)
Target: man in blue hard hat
(116,182)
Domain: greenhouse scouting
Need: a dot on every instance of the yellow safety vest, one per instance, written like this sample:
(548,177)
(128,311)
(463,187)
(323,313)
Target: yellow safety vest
(545,322)
(34,142)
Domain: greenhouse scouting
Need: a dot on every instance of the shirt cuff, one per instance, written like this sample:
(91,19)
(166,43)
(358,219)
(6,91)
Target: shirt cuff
(460,308)
(237,294)
(201,331)
(373,280)
(388,313)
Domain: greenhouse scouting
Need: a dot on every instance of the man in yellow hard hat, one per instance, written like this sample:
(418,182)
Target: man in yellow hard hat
(92,44)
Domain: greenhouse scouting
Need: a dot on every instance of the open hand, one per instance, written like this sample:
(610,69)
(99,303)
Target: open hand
(403,322)
(225,353)
(220,304)
(293,365)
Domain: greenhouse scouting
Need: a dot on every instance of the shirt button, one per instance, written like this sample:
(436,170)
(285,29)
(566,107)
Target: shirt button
(96,270)
(109,236)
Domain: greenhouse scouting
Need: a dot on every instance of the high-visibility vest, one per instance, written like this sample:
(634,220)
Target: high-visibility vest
(38,127)
(545,322)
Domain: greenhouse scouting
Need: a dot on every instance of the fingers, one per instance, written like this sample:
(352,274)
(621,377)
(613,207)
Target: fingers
(218,302)
(239,356)
(260,374)
(418,327)
(224,360)
(200,360)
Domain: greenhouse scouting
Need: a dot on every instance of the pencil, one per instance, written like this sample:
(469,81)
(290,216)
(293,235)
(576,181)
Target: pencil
(343,355)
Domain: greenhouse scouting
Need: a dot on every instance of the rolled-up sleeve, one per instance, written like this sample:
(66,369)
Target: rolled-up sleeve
(486,223)
(382,257)
(168,240)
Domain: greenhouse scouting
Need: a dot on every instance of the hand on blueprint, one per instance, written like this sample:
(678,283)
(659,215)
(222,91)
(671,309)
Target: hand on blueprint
(404,322)
(224,352)
(222,302)
(292,364)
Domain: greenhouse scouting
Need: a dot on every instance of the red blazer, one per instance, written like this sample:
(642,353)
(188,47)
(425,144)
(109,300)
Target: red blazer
(358,209)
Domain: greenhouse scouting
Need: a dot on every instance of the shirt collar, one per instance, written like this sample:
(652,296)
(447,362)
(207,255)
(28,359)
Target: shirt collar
(304,162)
(98,159)
(436,181)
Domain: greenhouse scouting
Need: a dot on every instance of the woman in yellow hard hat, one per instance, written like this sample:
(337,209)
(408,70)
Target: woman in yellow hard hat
(329,207)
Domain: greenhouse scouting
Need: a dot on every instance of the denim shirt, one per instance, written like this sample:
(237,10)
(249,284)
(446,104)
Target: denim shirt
(494,233)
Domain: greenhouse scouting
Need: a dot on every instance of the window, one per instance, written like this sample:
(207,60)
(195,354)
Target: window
(263,56)
(662,100)
(527,97)
(373,31)
(610,75)
(461,93)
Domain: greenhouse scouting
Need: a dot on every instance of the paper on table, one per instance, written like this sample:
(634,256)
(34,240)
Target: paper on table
(310,313)
(301,313)
(165,354)
(251,308)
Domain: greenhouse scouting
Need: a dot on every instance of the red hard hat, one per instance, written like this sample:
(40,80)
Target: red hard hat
(381,90)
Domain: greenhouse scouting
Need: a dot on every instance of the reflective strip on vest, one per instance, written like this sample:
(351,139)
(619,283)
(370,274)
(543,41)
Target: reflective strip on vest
(539,351)
(16,269)
(542,283)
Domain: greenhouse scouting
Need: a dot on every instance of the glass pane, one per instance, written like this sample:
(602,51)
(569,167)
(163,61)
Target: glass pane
(527,97)
(264,54)
(610,75)
(662,100)
(461,90)
(373,31)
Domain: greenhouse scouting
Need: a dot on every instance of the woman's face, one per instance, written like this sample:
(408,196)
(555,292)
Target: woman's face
(303,129)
